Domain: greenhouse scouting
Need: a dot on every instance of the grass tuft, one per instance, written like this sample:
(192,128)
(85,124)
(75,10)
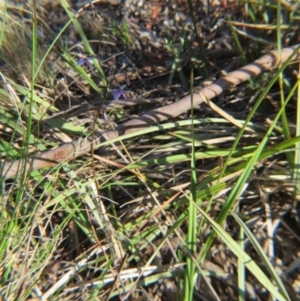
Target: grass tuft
(204,206)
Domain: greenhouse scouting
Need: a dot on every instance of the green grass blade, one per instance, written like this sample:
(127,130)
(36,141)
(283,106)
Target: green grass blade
(84,40)
(192,226)
(262,255)
(244,257)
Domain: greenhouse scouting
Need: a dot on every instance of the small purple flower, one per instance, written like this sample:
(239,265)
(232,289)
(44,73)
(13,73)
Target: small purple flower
(105,117)
(85,61)
(117,93)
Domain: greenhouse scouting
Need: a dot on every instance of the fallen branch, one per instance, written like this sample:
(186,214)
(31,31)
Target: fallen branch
(81,146)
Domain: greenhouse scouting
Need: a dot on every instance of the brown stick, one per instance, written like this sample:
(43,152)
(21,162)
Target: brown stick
(79,147)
